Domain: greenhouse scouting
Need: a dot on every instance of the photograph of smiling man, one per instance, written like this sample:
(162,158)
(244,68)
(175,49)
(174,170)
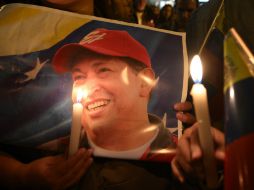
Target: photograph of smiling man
(134,75)
(116,72)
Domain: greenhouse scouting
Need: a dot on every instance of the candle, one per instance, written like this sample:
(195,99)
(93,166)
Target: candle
(76,123)
(199,95)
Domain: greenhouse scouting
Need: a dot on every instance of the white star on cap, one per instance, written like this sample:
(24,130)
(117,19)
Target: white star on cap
(93,36)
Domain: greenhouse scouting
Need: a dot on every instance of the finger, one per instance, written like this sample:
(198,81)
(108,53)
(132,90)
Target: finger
(184,149)
(198,169)
(196,151)
(177,171)
(76,174)
(72,160)
(83,161)
(184,164)
(64,164)
(219,141)
(78,170)
(183,154)
(185,117)
(183,106)
(55,160)
(64,140)
(220,155)
(219,138)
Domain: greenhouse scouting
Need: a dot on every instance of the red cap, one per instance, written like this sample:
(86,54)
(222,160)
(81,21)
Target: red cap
(107,42)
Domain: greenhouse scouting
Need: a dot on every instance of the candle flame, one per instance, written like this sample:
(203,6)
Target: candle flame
(81,93)
(232,93)
(196,69)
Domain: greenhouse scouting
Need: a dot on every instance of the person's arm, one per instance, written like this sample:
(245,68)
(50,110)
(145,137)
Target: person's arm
(188,159)
(52,172)
(77,6)
(12,172)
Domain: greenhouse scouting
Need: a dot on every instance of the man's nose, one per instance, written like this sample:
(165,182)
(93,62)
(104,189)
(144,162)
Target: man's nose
(92,86)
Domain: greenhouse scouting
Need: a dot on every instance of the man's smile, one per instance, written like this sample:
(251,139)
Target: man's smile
(97,105)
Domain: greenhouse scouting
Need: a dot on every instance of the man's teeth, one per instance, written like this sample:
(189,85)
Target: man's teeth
(98,104)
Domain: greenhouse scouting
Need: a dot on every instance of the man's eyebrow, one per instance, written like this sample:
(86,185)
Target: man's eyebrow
(76,70)
(96,64)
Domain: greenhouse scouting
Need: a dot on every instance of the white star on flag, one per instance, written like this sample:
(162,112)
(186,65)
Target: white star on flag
(31,75)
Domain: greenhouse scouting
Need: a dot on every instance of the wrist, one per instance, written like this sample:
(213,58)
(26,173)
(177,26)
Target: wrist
(12,172)
(23,175)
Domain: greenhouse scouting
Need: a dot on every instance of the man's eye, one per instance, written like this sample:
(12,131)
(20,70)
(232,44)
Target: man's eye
(79,77)
(104,69)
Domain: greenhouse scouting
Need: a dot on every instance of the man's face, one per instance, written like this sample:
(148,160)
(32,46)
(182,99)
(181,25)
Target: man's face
(120,10)
(185,8)
(167,12)
(113,90)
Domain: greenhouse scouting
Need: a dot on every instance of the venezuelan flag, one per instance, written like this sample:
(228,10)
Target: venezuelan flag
(239,103)
(35,103)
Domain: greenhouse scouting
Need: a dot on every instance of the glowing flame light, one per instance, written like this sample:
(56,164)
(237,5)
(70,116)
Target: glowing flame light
(125,76)
(81,93)
(232,93)
(150,128)
(149,81)
(196,69)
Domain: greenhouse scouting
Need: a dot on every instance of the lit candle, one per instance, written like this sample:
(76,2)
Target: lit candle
(199,95)
(76,123)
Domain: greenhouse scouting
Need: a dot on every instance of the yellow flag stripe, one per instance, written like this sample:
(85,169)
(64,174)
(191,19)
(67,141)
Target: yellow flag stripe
(220,25)
(235,62)
(18,34)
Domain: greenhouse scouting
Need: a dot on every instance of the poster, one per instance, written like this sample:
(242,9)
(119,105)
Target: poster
(35,101)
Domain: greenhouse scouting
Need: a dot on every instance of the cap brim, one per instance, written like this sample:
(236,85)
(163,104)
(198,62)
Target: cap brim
(62,61)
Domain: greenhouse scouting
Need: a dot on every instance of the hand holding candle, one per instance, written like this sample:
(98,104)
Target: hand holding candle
(199,96)
(76,122)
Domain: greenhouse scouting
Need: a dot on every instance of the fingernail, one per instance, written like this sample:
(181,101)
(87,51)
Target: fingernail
(81,151)
(90,151)
(179,115)
(181,179)
(196,155)
(176,106)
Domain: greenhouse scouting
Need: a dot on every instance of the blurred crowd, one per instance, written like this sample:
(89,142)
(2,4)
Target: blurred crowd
(140,11)
(169,17)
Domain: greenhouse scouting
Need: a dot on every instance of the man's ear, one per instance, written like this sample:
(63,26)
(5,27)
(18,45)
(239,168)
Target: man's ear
(147,78)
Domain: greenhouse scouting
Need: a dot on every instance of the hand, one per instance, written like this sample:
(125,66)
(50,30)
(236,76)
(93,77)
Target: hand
(182,112)
(57,172)
(188,159)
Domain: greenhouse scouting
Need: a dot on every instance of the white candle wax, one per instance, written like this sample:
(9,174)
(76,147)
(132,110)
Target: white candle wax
(75,128)
(199,95)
